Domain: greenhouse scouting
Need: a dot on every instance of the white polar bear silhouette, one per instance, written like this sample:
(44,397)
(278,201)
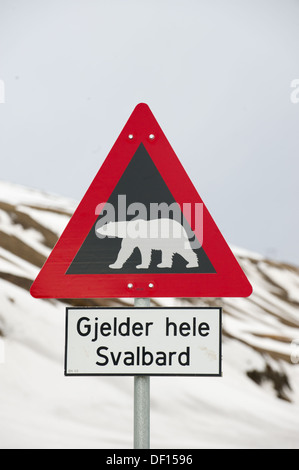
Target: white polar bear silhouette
(166,235)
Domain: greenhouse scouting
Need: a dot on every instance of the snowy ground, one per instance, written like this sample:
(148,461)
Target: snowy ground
(41,408)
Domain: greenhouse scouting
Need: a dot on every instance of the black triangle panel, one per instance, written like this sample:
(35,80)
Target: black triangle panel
(141,182)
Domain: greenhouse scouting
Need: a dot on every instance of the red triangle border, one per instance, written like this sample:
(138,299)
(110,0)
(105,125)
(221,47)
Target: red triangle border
(52,282)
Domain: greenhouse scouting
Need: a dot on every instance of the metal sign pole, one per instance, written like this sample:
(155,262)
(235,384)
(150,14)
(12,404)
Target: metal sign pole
(142,400)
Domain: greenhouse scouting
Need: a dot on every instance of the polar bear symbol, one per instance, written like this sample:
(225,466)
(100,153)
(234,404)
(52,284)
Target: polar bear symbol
(166,235)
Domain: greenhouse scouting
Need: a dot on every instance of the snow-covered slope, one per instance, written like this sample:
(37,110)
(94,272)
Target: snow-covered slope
(254,405)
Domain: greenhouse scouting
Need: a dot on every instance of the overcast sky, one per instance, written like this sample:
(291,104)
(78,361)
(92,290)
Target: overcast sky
(217,75)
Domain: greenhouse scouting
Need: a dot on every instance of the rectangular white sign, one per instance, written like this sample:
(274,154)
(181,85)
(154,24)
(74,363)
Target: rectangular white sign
(143,341)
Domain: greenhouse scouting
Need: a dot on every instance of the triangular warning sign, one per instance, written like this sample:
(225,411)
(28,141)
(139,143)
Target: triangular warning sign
(141,230)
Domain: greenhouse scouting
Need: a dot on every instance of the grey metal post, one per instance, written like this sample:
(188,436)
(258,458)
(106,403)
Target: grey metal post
(142,400)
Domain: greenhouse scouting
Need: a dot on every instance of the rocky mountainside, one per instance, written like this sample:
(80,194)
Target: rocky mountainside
(254,404)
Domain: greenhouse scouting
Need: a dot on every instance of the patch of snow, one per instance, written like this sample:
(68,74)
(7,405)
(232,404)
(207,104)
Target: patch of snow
(51,220)
(287,279)
(21,195)
(30,236)
(10,263)
(243,253)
